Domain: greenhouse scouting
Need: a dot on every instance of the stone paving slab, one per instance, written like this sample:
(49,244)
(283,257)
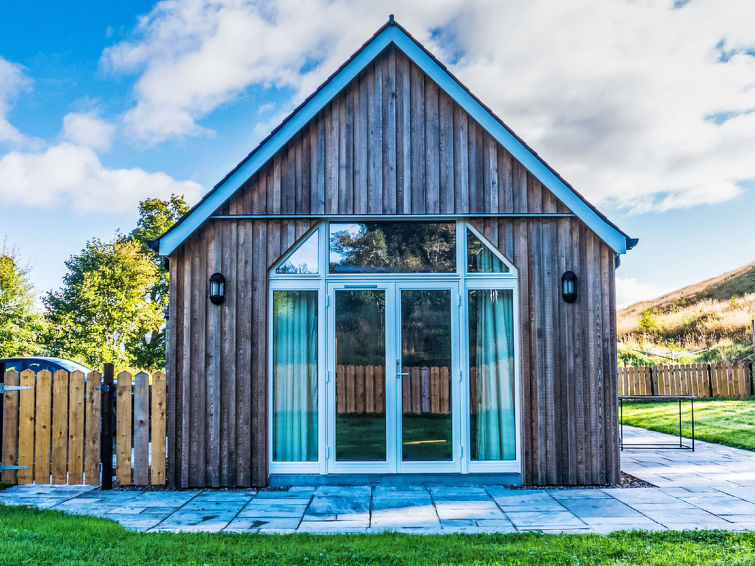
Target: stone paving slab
(713,487)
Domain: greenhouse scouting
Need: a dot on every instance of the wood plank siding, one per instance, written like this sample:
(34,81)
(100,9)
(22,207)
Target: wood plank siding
(392,142)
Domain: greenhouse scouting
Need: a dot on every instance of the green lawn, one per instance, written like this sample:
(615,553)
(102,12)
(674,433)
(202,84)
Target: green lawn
(722,421)
(30,536)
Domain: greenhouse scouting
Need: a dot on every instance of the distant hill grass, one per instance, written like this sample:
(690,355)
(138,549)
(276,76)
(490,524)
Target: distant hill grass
(715,314)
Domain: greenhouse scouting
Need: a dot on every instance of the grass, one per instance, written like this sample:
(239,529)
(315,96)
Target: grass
(722,421)
(31,536)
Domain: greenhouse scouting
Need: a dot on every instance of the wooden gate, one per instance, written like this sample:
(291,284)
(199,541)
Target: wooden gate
(53,428)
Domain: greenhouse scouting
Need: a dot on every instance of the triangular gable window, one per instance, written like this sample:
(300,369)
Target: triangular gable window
(481,259)
(303,259)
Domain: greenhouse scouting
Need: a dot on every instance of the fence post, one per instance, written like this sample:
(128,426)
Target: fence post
(106,428)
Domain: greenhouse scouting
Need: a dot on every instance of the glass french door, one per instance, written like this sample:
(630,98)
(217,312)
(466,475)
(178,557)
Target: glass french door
(393,378)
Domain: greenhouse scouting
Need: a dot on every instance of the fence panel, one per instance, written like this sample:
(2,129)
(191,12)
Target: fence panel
(726,380)
(10,439)
(54,430)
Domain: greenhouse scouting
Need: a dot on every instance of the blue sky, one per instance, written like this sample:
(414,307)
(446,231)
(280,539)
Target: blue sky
(646,108)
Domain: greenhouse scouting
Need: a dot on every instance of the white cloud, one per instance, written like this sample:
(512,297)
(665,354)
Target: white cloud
(195,55)
(630,290)
(613,94)
(12,82)
(88,130)
(72,174)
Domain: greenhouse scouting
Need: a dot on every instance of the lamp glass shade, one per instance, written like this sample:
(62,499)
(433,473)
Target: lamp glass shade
(217,288)
(569,286)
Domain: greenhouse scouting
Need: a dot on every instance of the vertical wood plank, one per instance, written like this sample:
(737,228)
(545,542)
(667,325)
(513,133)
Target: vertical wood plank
(244,354)
(418,139)
(403,135)
(380,389)
(214,334)
(10,428)
(226,391)
(369,390)
(389,133)
(59,426)
(435,390)
(123,429)
(92,415)
(446,148)
(43,428)
(461,156)
(141,429)
(432,148)
(259,340)
(76,428)
(26,427)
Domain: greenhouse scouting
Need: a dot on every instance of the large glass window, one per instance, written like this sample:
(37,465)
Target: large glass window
(480,258)
(426,368)
(303,259)
(295,376)
(360,374)
(393,247)
(491,375)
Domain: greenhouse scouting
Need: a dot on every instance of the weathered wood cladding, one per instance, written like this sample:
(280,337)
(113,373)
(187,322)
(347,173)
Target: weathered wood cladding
(391,143)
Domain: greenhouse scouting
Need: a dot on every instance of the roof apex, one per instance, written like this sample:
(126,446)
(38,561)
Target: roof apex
(389,33)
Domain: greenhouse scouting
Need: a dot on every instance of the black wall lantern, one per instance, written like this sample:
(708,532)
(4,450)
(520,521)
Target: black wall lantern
(217,288)
(569,286)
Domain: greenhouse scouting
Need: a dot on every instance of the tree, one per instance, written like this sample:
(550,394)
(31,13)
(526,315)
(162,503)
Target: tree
(155,217)
(103,309)
(19,324)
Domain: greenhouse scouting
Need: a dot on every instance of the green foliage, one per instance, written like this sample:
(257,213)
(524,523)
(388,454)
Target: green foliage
(19,324)
(33,536)
(648,321)
(722,421)
(103,312)
(155,218)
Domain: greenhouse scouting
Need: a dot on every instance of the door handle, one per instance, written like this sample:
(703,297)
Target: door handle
(400,373)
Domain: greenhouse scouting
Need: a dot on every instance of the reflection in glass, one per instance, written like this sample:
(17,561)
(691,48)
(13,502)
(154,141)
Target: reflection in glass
(360,375)
(426,389)
(303,259)
(393,247)
(294,376)
(491,375)
(481,259)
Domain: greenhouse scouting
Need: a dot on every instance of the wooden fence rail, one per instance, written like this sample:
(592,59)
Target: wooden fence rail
(729,380)
(53,429)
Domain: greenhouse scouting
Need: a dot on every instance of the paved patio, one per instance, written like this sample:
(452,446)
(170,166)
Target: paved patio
(714,487)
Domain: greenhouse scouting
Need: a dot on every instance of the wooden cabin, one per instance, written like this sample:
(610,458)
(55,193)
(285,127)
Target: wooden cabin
(392,283)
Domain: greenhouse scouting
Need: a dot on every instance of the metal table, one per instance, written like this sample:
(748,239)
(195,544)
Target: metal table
(663,445)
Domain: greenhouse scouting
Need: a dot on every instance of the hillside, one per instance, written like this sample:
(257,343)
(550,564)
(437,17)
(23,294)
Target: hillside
(736,283)
(715,314)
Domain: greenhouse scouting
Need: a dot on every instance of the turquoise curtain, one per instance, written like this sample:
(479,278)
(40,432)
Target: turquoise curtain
(494,349)
(294,376)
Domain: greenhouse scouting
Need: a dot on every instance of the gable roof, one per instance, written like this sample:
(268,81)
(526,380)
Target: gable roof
(393,33)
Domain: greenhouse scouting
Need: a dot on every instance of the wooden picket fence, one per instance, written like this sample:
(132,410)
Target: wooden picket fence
(53,429)
(727,380)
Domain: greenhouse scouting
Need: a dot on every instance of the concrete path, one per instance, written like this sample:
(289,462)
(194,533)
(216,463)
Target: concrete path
(714,487)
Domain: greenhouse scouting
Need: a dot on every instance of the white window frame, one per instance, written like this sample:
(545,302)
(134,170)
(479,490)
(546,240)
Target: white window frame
(460,282)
